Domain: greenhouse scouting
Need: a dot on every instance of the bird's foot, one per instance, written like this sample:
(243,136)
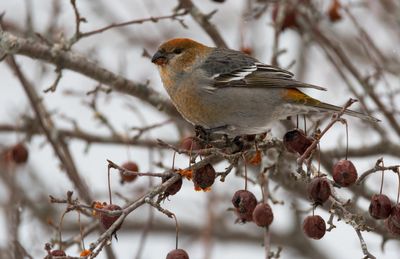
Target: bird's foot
(238,144)
(235,145)
(205,134)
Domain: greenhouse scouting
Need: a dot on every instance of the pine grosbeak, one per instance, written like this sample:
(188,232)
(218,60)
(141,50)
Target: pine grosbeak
(229,91)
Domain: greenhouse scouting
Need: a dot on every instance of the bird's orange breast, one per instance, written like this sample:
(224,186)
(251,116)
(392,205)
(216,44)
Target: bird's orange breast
(193,107)
(190,104)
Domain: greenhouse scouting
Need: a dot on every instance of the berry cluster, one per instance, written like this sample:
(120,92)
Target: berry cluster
(381,207)
(291,13)
(344,174)
(247,209)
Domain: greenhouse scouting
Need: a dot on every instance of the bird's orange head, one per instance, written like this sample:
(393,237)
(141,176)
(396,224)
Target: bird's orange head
(179,53)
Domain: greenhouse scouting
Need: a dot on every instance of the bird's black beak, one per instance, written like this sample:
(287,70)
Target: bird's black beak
(159,58)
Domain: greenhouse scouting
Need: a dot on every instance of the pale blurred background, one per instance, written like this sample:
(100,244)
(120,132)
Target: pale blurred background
(208,230)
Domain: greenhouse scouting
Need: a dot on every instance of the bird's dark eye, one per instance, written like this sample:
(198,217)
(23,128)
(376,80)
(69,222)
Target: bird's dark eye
(178,51)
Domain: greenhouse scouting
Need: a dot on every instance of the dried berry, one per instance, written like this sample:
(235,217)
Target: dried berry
(18,154)
(392,227)
(85,252)
(204,177)
(253,157)
(131,166)
(173,188)
(190,143)
(319,190)
(296,141)
(289,21)
(380,206)
(107,220)
(392,223)
(58,253)
(395,215)
(314,227)
(333,12)
(262,215)
(250,138)
(344,173)
(177,254)
(248,51)
(244,203)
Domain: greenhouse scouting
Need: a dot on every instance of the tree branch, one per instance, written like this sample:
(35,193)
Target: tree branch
(47,125)
(11,44)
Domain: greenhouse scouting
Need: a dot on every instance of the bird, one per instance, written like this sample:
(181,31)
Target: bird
(227,91)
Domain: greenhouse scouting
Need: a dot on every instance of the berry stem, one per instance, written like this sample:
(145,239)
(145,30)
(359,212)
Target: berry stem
(81,231)
(245,172)
(173,161)
(264,186)
(319,159)
(109,184)
(383,177)
(60,229)
(176,231)
(398,188)
(347,139)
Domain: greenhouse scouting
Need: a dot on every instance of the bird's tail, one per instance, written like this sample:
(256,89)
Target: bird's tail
(329,107)
(301,99)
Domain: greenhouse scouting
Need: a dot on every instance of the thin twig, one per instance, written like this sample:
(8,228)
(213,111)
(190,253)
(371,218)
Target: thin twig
(336,118)
(59,145)
(138,21)
(377,168)
(71,60)
(364,247)
(203,21)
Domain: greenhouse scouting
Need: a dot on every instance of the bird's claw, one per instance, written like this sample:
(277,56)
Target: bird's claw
(205,134)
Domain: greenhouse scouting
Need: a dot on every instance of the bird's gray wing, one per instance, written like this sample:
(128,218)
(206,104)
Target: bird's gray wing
(230,68)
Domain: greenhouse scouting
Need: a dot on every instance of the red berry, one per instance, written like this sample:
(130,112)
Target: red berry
(252,137)
(177,254)
(58,253)
(380,206)
(18,154)
(190,143)
(289,21)
(333,12)
(319,190)
(174,188)
(392,223)
(204,177)
(262,215)
(131,166)
(344,173)
(395,215)
(314,227)
(392,227)
(296,141)
(244,203)
(106,220)
(248,51)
